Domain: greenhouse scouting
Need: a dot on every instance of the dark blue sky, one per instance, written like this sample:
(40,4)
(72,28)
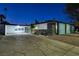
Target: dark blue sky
(27,13)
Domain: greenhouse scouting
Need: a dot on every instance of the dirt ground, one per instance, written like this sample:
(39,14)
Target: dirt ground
(70,39)
(32,45)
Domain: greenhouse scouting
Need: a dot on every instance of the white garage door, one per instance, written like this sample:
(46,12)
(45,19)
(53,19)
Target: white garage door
(19,30)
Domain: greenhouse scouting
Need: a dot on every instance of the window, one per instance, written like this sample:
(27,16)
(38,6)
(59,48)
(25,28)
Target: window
(19,29)
(15,29)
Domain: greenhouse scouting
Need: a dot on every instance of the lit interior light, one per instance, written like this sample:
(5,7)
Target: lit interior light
(36,27)
(18,26)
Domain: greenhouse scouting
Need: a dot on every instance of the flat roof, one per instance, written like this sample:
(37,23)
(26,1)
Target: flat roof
(53,20)
(7,23)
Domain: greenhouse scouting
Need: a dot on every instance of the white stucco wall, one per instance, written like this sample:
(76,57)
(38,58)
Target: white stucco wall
(56,27)
(41,26)
(14,29)
(67,29)
(61,28)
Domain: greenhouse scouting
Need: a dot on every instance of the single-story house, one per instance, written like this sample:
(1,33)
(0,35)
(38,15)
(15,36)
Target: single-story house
(14,29)
(52,27)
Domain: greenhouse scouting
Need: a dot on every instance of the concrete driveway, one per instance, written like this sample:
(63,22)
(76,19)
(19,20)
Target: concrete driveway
(32,45)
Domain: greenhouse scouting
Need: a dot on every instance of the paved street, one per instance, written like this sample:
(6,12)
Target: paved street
(30,45)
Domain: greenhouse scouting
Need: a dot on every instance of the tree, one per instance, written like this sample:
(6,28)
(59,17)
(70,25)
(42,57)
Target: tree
(5,9)
(36,21)
(73,11)
(2,17)
(32,28)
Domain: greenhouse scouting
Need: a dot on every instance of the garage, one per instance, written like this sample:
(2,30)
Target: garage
(17,30)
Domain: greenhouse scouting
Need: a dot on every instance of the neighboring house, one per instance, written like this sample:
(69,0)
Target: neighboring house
(14,29)
(52,27)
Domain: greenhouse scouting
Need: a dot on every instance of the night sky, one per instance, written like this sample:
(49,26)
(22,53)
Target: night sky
(27,13)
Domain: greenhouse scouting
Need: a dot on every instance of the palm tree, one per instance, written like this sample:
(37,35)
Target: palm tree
(36,21)
(2,17)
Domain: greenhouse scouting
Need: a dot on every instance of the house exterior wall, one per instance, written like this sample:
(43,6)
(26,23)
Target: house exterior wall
(53,28)
(68,26)
(61,28)
(56,25)
(65,28)
(41,26)
(72,29)
(14,29)
(2,29)
(46,28)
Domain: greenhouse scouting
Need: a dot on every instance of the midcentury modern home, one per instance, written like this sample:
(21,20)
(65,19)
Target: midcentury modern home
(13,29)
(52,27)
